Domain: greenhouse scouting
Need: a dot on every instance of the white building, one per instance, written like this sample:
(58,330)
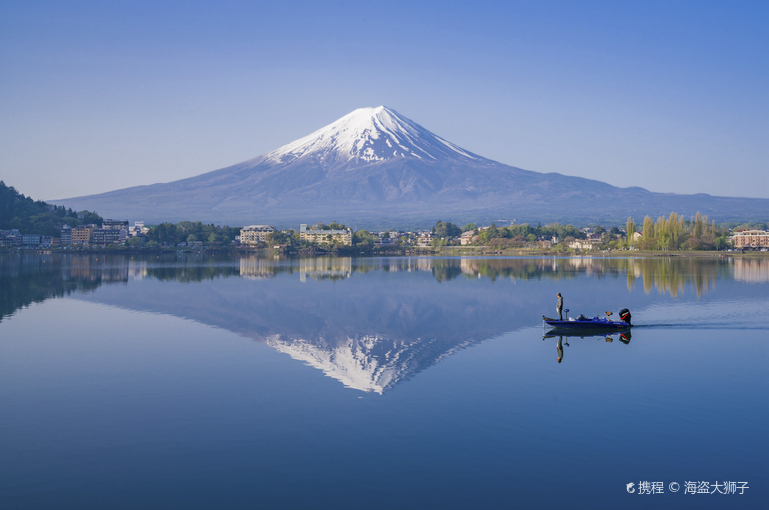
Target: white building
(325,236)
(548,240)
(425,239)
(582,244)
(137,229)
(255,234)
(30,239)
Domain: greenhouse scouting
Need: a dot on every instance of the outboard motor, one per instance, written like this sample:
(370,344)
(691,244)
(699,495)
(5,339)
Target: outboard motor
(624,315)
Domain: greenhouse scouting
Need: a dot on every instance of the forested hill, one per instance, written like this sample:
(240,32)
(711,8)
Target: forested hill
(37,217)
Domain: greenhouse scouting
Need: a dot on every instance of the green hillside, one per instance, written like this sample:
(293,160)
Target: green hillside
(37,217)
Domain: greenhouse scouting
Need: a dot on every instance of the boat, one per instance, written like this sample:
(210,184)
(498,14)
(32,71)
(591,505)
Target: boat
(594,323)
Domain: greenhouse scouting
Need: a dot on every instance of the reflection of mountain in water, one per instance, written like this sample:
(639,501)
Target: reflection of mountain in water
(379,321)
(367,363)
(369,333)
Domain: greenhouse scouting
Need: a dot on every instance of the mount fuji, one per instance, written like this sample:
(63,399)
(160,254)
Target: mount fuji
(380,169)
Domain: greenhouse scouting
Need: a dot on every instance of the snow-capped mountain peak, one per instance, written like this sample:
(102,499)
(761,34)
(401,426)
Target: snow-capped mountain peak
(370,135)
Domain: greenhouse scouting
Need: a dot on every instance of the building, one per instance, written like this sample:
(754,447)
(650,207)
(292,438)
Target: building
(82,234)
(46,241)
(748,239)
(466,237)
(66,235)
(120,225)
(547,241)
(137,229)
(104,236)
(322,236)
(595,238)
(583,244)
(115,224)
(387,239)
(425,239)
(30,239)
(255,234)
(10,238)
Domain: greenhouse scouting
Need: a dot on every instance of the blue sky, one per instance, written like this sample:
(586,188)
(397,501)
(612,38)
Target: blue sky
(672,96)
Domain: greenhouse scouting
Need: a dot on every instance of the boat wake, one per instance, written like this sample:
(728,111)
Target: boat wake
(700,325)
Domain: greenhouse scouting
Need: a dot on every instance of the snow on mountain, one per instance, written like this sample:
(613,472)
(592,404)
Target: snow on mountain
(350,363)
(372,134)
(369,363)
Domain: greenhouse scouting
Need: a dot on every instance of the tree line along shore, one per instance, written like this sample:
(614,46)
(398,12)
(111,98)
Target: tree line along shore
(673,233)
(654,237)
(666,235)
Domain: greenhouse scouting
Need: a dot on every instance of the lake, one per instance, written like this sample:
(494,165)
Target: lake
(200,381)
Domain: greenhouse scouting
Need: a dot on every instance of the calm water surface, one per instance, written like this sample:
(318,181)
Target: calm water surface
(199,382)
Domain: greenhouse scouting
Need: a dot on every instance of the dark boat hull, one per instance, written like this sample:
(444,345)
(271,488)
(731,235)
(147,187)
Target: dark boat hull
(588,324)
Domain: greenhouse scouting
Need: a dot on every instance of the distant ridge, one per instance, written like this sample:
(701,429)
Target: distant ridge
(378,168)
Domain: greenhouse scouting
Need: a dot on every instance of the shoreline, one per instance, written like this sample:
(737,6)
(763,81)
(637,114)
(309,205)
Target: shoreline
(423,252)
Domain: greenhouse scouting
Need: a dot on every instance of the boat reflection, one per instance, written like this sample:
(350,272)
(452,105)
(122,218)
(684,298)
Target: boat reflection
(623,336)
(564,336)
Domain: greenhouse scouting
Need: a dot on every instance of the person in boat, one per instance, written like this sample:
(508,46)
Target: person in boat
(560,348)
(559,307)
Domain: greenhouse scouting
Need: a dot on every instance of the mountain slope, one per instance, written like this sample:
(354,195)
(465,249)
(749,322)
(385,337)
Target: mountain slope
(378,168)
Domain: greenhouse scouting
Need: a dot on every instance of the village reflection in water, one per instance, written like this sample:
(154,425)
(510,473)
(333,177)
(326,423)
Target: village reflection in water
(669,275)
(665,274)
(373,334)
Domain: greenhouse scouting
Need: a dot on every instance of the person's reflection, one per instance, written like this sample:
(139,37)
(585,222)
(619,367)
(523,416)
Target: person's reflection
(560,348)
